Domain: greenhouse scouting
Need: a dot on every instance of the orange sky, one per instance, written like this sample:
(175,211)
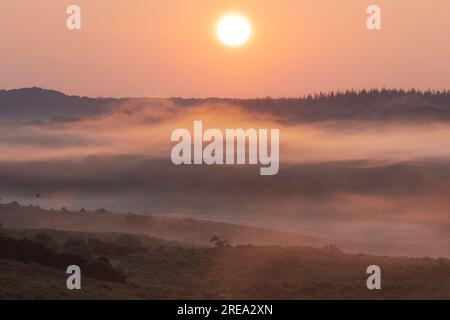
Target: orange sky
(169,48)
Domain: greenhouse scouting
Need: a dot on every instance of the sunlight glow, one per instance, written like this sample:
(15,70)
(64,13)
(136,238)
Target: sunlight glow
(234,30)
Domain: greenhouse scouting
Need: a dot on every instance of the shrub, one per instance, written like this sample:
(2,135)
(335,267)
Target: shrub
(28,251)
(220,243)
(77,246)
(102,269)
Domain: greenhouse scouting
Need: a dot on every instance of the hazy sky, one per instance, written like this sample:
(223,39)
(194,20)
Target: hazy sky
(169,48)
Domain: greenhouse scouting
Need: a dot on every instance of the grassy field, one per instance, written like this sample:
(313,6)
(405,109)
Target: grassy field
(172,270)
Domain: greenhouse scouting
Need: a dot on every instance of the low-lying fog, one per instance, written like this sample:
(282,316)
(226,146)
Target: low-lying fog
(347,180)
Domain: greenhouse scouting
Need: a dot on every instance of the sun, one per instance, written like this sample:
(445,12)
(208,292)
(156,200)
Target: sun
(234,30)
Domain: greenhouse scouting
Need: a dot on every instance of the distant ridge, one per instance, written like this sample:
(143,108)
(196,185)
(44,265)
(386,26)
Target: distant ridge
(42,104)
(379,105)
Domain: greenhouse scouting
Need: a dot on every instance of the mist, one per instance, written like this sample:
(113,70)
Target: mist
(348,180)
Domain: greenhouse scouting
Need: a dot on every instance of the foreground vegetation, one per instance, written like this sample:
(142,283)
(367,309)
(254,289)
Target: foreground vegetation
(157,269)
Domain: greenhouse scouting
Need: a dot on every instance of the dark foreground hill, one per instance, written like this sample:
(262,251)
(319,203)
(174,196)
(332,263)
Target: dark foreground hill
(168,270)
(379,105)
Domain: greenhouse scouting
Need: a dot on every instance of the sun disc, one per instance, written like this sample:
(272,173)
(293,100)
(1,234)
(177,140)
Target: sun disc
(234,30)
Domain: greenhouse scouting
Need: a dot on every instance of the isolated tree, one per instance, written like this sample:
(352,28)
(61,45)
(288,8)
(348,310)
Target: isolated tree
(100,211)
(14,204)
(220,243)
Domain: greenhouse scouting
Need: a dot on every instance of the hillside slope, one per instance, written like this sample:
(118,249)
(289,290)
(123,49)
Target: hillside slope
(176,271)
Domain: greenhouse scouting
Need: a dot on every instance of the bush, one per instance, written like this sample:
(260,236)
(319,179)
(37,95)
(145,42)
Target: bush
(100,211)
(28,251)
(102,269)
(220,243)
(77,246)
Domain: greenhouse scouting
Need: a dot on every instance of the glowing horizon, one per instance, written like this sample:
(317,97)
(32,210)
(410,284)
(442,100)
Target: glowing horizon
(156,49)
